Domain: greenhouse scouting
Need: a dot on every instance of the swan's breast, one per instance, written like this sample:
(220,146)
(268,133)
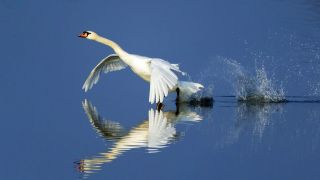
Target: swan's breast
(141,66)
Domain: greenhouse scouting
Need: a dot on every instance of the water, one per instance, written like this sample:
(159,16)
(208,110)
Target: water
(257,87)
(153,134)
(259,60)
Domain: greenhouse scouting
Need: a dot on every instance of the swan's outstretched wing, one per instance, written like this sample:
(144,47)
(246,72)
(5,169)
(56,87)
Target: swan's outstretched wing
(108,64)
(162,79)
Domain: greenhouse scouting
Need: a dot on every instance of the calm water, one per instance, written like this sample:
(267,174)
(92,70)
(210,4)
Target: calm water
(244,50)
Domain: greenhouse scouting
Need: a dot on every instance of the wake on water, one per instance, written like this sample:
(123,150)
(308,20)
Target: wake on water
(254,88)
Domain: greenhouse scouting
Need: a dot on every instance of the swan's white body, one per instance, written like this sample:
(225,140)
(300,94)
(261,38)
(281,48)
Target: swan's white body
(158,72)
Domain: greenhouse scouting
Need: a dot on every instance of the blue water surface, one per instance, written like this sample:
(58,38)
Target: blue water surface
(52,129)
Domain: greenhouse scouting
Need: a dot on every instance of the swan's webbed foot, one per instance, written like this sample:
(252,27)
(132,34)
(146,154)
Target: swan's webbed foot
(160,106)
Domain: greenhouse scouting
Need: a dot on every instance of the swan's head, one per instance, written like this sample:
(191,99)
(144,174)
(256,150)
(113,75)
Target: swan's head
(88,35)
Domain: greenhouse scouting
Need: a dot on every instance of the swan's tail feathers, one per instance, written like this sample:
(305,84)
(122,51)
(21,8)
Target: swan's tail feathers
(187,90)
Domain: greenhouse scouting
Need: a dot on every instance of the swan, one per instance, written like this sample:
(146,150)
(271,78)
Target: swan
(159,73)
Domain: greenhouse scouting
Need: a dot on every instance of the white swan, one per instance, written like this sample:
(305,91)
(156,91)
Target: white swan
(158,72)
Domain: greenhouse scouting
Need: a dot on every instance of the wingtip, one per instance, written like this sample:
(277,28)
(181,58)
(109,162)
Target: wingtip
(151,101)
(85,89)
(85,102)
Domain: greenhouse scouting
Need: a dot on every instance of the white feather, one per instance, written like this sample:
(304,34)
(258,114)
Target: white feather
(163,77)
(108,64)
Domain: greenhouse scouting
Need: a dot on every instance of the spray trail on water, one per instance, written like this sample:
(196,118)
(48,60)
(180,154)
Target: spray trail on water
(255,87)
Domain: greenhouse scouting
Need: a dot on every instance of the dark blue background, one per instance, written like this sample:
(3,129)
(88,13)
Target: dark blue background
(43,66)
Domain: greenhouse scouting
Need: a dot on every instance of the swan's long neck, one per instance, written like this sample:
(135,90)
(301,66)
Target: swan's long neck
(110,43)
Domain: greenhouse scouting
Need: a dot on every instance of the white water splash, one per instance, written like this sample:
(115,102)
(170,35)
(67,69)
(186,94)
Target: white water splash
(254,87)
(259,88)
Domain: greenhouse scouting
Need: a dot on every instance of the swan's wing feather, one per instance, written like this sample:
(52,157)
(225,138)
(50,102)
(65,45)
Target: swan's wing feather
(162,79)
(108,64)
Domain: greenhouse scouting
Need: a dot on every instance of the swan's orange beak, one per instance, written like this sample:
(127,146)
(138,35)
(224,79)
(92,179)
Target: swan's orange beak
(83,35)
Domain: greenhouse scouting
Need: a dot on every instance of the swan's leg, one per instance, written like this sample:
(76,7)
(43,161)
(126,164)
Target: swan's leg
(160,106)
(178,95)
(177,109)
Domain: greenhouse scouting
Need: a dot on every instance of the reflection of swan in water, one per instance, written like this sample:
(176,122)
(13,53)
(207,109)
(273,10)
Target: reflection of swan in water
(155,133)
